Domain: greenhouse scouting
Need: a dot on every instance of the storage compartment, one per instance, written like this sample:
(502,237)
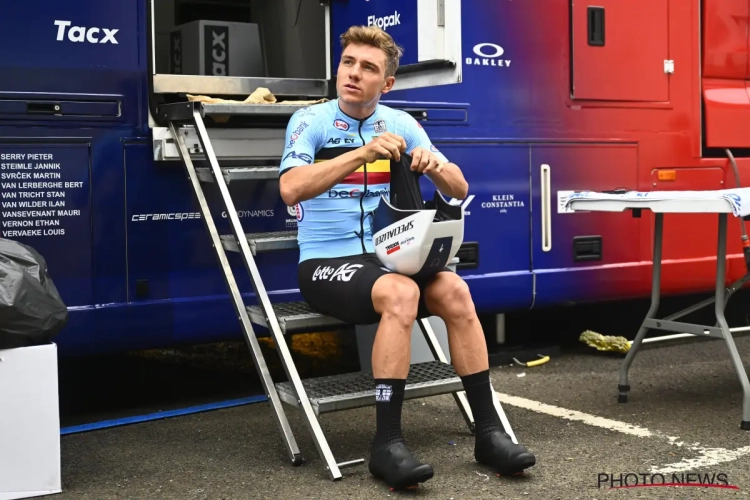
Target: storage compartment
(247,41)
(619,50)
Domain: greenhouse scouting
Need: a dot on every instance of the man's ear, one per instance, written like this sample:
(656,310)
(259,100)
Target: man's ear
(388,85)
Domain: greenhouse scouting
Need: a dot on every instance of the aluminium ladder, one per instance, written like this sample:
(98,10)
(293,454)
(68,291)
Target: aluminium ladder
(314,396)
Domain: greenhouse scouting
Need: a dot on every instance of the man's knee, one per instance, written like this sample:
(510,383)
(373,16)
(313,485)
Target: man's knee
(396,295)
(448,296)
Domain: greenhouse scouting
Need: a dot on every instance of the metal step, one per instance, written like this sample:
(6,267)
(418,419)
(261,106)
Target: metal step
(240,173)
(294,316)
(262,242)
(355,390)
(239,85)
(183,111)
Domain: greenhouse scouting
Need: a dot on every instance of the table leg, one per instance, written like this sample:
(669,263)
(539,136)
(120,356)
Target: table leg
(719,305)
(623,387)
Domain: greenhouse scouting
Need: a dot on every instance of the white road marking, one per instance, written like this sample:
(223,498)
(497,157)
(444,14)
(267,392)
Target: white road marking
(707,457)
(586,418)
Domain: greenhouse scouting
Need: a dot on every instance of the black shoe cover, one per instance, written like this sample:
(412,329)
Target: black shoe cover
(395,465)
(497,450)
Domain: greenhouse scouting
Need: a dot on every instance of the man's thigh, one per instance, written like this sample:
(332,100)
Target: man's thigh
(424,311)
(342,287)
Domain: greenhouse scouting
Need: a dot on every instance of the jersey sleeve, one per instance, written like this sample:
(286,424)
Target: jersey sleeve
(415,136)
(301,139)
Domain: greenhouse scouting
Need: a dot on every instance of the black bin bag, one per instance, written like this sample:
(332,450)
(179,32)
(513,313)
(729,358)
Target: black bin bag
(31,310)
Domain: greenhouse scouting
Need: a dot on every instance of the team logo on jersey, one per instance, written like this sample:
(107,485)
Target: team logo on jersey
(296,133)
(299,212)
(380,126)
(340,124)
(299,156)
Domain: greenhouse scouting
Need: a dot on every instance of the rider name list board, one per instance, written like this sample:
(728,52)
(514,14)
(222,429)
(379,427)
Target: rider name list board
(44,192)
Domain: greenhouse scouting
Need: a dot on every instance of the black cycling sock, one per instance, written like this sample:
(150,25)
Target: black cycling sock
(389,398)
(479,394)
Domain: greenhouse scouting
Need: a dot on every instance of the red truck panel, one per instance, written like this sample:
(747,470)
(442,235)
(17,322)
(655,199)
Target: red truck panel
(725,39)
(727,113)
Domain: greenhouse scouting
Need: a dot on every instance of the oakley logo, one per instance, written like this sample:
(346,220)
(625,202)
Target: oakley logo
(83,34)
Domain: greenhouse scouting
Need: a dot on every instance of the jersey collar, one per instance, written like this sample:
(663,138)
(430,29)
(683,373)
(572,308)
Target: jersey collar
(351,121)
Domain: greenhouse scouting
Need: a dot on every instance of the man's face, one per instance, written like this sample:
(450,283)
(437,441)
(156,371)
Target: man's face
(361,75)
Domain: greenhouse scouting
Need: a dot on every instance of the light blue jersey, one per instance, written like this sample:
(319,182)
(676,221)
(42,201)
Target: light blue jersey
(338,222)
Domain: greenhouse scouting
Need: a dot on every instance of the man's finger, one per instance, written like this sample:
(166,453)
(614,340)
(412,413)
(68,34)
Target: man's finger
(393,149)
(425,162)
(416,156)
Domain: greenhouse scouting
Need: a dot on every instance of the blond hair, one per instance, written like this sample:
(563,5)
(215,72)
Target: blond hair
(376,37)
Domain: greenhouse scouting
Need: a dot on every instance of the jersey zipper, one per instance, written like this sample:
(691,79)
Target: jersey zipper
(362,198)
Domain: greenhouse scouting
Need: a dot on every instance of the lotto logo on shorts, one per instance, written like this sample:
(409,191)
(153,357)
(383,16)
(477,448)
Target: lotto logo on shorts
(343,273)
(383,392)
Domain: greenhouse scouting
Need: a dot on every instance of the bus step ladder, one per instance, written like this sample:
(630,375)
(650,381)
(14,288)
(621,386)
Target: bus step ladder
(313,396)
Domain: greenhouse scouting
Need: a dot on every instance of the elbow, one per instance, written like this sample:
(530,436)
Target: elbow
(462,191)
(288,194)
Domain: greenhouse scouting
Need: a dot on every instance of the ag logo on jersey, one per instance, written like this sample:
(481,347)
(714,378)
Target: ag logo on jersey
(341,125)
(380,126)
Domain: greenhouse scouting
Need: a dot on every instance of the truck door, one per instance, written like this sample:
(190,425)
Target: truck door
(429,32)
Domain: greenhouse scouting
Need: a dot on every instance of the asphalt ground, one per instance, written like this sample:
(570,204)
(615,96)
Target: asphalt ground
(681,421)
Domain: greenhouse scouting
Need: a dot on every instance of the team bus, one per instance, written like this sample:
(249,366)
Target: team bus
(533,99)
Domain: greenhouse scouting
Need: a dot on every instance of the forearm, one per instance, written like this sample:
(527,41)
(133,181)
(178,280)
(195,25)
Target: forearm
(308,181)
(450,181)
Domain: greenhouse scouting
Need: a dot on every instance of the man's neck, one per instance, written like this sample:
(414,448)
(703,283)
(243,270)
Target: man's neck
(358,112)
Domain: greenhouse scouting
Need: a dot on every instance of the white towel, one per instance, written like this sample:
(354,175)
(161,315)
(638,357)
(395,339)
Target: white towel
(739,198)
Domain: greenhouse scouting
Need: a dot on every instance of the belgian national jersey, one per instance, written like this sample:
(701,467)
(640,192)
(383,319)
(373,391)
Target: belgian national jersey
(338,222)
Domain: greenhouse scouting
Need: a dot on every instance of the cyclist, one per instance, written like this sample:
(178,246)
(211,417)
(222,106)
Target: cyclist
(335,167)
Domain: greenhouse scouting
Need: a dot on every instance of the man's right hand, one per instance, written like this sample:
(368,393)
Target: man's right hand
(386,145)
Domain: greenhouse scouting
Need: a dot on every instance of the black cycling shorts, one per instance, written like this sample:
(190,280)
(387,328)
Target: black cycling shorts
(342,287)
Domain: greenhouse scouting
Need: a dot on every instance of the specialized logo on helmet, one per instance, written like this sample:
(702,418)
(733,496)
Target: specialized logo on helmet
(343,273)
(394,232)
(83,34)
(341,125)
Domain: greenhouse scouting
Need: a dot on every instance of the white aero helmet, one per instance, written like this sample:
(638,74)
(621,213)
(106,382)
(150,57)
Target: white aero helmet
(412,237)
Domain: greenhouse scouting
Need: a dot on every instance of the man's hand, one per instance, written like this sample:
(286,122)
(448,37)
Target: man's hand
(386,145)
(425,162)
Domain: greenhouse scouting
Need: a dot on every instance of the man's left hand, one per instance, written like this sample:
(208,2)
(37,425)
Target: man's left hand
(425,162)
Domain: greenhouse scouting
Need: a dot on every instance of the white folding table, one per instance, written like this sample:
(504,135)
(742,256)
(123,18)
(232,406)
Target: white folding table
(721,202)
